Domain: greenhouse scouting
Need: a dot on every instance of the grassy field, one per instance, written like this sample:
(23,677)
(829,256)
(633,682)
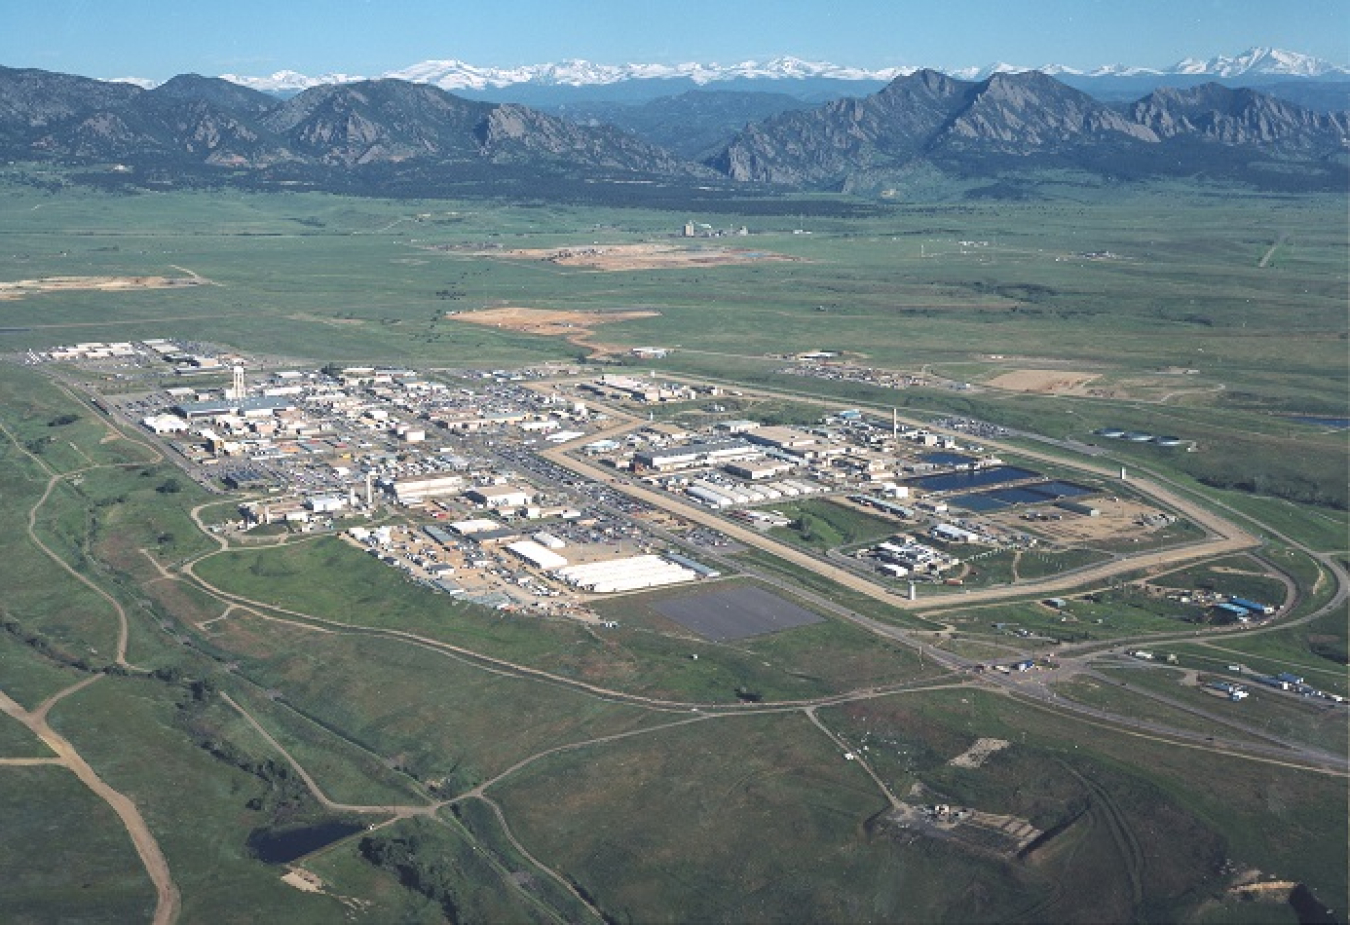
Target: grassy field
(1312,722)
(823,525)
(98,877)
(1113,615)
(430,716)
(711,823)
(1203,815)
(1111,696)
(17,742)
(197,805)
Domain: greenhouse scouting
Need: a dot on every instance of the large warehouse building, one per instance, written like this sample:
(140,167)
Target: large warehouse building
(629,574)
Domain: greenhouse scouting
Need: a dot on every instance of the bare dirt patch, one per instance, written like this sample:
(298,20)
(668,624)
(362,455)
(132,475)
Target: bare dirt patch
(19,289)
(303,880)
(978,753)
(1117,519)
(578,327)
(1043,381)
(613,258)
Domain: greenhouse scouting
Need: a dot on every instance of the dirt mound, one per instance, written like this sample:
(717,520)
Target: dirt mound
(578,327)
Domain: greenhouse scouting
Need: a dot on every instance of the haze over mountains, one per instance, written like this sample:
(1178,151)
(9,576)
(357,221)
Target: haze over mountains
(394,136)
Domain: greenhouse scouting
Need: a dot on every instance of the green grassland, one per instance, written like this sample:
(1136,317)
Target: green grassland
(1115,697)
(30,674)
(1254,809)
(713,822)
(429,715)
(1320,723)
(688,823)
(823,525)
(435,872)
(49,815)
(17,742)
(1114,614)
(197,805)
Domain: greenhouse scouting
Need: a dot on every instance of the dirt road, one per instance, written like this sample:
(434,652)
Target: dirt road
(167,897)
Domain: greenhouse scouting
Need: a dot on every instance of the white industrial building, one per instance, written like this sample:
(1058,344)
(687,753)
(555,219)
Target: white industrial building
(500,496)
(325,504)
(419,488)
(629,574)
(165,424)
(539,556)
(953,534)
(470,527)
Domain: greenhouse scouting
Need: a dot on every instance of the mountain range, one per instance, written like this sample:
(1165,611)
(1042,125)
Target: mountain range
(455,75)
(398,137)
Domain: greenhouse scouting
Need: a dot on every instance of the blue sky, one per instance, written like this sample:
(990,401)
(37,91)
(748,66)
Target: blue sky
(160,38)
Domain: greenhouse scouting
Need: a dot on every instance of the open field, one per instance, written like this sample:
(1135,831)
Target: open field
(47,806)
(1194,825)
(1316,722)
(825,524)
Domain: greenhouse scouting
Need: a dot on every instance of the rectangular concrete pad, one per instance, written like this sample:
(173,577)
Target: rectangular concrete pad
(736,613)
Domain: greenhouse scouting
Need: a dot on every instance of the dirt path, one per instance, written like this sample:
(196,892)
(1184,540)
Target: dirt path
(854,756)
(398,811)
(1279,242)
(525,853)
(167,896)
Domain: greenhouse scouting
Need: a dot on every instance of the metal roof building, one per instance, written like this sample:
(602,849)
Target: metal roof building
(539,556)
(629,574)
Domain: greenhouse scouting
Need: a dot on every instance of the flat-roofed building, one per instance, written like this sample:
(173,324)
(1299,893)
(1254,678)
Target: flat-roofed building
(420,487)
(499,496)
(541,557)
(754,470)
(782,438)
(627,574)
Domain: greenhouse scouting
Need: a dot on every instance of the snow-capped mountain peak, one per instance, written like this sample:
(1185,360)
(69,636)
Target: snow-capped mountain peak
(453,74)
(1264,61)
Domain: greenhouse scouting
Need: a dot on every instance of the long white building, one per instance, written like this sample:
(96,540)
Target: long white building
(629,574)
